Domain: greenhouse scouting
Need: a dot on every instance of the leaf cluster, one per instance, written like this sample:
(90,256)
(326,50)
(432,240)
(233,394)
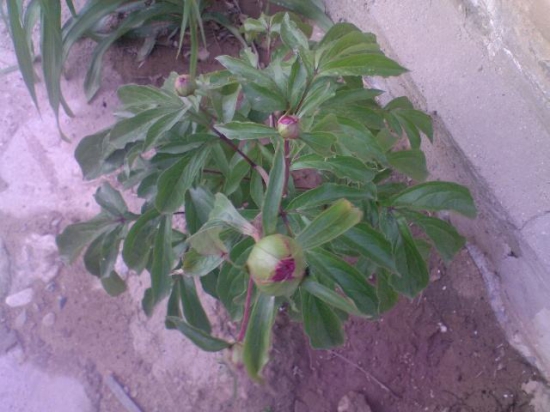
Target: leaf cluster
(216,157)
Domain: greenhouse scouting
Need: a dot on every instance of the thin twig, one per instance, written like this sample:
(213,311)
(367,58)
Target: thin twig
(367,374)
(246,315)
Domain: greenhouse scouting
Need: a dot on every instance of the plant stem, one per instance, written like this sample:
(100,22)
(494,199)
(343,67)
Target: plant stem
(251,162)
(246,315)
(287,166)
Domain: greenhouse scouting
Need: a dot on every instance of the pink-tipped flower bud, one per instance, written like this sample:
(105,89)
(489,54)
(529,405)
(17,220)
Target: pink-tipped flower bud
(277,265)
(185,85)
(289,126)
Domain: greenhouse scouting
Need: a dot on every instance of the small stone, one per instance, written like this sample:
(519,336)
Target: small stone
(5,275)
(21,298)
(17,353)
(21,319)
(48,320)
(353,402)
(61,301)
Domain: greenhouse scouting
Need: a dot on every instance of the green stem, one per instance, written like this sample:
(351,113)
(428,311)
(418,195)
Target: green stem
(246,315)
(194,48)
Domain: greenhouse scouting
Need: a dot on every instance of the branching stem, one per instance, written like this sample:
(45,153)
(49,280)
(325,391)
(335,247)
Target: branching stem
(251,162)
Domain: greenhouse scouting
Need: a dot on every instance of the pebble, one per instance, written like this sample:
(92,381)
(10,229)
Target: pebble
(21,298)
(5,276)
(61,301)
(21,319)
(353,402)
(48,320)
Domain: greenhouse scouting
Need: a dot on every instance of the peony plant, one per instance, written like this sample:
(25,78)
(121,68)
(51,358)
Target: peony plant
(301,193)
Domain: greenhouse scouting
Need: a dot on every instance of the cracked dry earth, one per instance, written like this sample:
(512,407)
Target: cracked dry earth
(66,346)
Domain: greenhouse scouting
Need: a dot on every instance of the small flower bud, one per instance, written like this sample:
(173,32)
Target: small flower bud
(277,265)
(289,127)
(185,85)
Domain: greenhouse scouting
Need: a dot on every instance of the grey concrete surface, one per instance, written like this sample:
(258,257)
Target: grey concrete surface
(492,134)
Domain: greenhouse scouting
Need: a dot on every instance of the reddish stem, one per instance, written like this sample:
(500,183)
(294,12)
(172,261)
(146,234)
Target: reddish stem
(246,315)
(287,166)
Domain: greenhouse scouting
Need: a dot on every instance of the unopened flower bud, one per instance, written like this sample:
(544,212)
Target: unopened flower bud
(185,85)
(289,127)
(277,265)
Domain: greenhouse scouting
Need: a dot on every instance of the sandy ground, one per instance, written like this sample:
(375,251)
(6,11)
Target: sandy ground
(66,346)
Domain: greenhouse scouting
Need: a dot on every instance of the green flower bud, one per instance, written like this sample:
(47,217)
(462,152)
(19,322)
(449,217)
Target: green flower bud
(289,127)
(185,85)
(277,265)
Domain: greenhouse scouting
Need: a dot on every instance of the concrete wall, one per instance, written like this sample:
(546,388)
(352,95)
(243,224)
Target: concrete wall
(481,68)
(519,28)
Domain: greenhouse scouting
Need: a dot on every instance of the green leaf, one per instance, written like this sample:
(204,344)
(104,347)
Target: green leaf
(205,242)
(225,213)
(200,338)
(354,42)
(435,196)
(320,142)
(321,324)
(51,50)
(413,272)
(245,71)
(292,36)
(443,235)
(162,260)
(410,162)
(198,265)
(274,193)
(371,244)
(232,280)
(175,181)
(113,284)
(359,141)
(330,297)
(136,98)
(75,237)
(246,130)
(327,193)
(350,280)
(199,202)
(308,9)
(263,99)
(110,247)
(336,32)
(257,341)
(111,200)
(135,128)
(139,241)
(191,304)
(387,296)
(297,83)
(160,127)
(345,167)
(239,169)
(92,256)
(209,283)
(321,90)
(91,157)
(22,48)
(330,224)
(173,306)
(362,65)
